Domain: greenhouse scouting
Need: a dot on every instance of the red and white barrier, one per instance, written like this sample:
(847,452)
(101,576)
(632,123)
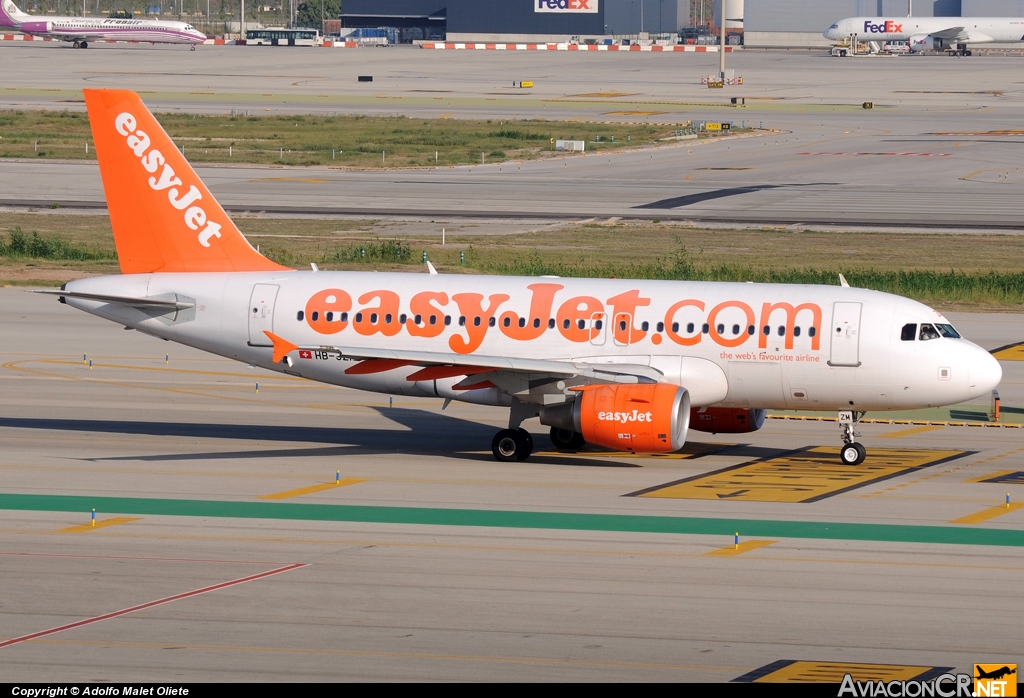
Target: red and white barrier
(24,37)
(441,45)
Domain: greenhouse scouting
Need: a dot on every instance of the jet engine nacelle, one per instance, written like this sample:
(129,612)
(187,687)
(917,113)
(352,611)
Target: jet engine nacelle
(38,27)
(926,42)
(644,418)
(725,420)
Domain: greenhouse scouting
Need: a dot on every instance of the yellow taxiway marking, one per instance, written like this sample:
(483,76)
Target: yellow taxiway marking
(634,113)
(288,494)
(743,547)
(907,432)
(1003,477)
(788,671)
(990,513)
(116,521)
(307,180)
(806,475)
(1014,352)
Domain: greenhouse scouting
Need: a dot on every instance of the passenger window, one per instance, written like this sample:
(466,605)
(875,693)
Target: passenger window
(447,320)
(344,317)
(536,322)
(402,318)
(329,316)
(359,317)
(565,324)
(782,330)
(300,316)
(314,315)
(433,319)
(418,319)
(767,330)
(506,321)
(909,332)
(492,322)
(928,332)
(476,321)
(812,330)
(720,328)
(522,322)
(751,330)
(644,326)
(581,324)
(661,327)
(796,331)
(948,331)
(598,325)
(551,323)
(735,329)
(689,327)
(462,321)
(373,318)
(622,325)
(675,327)
(387,319)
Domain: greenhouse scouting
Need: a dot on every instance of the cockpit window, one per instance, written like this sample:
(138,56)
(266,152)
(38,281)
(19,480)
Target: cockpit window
(909,332)
(928,332)
(834,26)
(948,331)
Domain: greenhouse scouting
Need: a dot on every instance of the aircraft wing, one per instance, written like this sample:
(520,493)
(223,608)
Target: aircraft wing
(476,368)
(951,34)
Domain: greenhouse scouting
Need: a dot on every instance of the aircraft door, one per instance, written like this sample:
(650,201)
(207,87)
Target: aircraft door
(845,334)
(261,314)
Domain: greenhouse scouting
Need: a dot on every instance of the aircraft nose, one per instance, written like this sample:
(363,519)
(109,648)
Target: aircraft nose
(983,373)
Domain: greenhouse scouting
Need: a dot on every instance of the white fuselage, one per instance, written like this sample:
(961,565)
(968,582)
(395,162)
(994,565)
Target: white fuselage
(730,344)
(972,30)
(80,29)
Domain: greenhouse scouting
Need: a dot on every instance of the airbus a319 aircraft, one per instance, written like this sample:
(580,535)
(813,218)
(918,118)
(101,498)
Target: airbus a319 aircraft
(81,30)
(952,34)
(625,365)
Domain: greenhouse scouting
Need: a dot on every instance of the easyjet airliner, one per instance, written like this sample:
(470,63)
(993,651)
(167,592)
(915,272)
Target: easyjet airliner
(621,364)
(79,31)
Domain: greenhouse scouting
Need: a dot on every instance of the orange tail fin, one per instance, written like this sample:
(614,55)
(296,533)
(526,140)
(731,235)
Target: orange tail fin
(164,218)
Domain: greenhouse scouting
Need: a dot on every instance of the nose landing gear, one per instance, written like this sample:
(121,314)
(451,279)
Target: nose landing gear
(852,452)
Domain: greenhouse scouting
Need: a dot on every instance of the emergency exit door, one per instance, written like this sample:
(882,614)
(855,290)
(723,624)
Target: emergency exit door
(261,314)
(845,334)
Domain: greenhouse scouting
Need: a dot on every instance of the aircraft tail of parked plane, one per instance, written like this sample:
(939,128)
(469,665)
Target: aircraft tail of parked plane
(81,30)
(628,365)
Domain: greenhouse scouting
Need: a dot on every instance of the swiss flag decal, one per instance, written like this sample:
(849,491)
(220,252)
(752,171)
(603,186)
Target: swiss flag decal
(303,354)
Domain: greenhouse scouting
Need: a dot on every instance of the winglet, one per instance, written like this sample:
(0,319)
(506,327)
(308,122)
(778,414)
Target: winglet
(430,269)
(843,282)
(282,347)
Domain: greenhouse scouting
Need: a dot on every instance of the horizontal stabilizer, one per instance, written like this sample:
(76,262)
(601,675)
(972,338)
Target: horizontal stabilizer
(166,301)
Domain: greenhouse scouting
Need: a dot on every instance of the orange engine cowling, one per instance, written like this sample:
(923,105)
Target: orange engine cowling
(646,418)
(726,420)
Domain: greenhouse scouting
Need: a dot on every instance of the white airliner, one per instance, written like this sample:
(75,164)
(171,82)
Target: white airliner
(951,34)
(81,30)
(626,365)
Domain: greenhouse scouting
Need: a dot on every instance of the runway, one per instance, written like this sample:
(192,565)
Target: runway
(939,148)
(305,532)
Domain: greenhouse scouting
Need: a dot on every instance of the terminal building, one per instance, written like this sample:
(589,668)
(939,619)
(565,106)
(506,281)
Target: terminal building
(520,20)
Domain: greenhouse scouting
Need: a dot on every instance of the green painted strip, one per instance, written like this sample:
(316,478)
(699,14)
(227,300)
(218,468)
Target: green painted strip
(515,519)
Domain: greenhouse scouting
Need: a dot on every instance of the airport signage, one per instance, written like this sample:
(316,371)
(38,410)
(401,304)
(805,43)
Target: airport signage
(886,27)
(573,6)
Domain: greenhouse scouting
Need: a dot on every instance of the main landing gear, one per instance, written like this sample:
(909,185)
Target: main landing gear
(852,452)
(512,445)
(960,50)
(80,44)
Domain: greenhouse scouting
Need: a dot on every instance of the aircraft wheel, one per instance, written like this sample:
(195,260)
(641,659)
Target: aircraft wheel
(84,44)
(512,445)
(76,44)
(853,454)
(562,438)
(967,53)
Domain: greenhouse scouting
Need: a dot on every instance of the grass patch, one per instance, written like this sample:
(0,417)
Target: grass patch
(943,270)
(343,141)
(18,245)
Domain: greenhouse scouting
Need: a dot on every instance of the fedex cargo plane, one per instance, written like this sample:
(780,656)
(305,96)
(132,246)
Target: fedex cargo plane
(623,364)
(81,30)
(951,34)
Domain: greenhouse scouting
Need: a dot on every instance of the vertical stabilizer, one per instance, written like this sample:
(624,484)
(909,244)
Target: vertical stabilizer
(10,15)
(163,216)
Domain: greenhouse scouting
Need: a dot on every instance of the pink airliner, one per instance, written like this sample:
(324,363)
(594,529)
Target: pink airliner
(81,30)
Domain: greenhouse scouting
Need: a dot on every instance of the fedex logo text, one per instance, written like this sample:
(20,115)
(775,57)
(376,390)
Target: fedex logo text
(886,27)
(583,6)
